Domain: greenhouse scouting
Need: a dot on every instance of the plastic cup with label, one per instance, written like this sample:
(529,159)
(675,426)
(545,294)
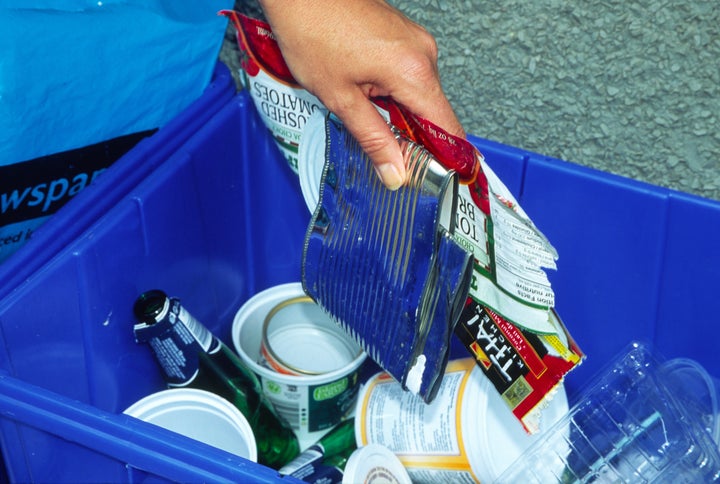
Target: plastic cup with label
(309,368)
(467,434)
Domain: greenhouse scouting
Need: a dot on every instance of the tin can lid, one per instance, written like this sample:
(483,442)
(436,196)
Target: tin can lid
(375,464)
(247,336)
(300,339)
(199,415)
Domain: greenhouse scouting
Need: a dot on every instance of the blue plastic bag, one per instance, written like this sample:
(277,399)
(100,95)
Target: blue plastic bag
(78,72)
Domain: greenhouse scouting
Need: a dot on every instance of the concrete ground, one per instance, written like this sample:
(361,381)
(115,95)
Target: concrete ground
(628,87)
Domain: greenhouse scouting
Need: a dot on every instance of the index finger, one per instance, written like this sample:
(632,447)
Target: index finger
(432,104)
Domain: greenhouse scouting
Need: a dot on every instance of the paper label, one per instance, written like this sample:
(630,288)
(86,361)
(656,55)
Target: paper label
(198,331)
(428,440)
(284,111)
(304,464)
(429,436)
(309,467)
(176,340)
(283,105)
(311,408)
(524,367)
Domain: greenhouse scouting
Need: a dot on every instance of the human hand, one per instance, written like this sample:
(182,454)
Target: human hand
(348,51)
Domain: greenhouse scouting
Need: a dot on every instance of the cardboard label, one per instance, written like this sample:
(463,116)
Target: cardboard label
(524,367)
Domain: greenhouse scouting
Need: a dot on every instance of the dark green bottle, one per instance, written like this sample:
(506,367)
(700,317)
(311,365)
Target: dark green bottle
(324,461)
(191,356)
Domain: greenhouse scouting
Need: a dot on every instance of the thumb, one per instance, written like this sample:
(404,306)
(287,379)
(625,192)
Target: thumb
(369,128)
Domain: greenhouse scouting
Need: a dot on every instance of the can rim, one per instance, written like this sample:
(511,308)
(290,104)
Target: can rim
(276,362)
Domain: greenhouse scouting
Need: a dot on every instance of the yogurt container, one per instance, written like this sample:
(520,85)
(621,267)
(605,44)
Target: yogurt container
(200,415)
(295,343)
(467,434)
(310,367)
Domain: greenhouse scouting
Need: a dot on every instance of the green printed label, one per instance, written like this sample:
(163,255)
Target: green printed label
(330,402)
(273,387)
(330,390)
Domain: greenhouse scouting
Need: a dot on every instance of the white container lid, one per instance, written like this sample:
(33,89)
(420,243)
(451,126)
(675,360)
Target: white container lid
(375,464)
(199,415)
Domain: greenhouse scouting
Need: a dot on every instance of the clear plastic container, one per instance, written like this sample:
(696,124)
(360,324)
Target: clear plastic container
(636,423)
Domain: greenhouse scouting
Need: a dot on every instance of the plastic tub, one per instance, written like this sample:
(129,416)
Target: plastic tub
(312,403)
(466,434)
(221,217)
(200,415)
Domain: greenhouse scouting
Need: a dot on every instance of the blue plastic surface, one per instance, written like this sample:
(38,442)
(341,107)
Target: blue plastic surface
(221,217)
(109,68)
(88,205)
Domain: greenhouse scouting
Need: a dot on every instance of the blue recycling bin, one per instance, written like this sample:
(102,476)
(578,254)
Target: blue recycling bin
(220,217)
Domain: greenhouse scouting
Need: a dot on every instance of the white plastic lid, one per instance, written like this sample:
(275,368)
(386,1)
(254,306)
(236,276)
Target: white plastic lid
(311,158)
(199,415)
(375,464)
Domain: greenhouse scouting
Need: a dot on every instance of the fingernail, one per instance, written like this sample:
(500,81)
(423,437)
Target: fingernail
(390,176)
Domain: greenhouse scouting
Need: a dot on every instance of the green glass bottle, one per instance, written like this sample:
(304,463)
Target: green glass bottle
(191,356)
(324,461)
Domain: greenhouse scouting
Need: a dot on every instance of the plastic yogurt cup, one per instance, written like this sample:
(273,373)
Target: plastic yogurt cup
(200,415)
(302,337)
(467,434)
